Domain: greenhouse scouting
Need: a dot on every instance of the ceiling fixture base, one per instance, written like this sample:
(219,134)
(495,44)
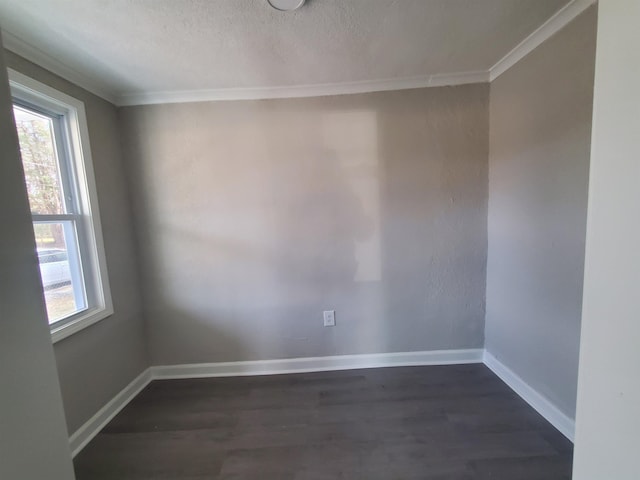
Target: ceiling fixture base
(286,5)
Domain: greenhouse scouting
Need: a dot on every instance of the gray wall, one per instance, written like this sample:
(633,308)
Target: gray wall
(255,216)
(98,362)
(607,423)
(538,173)
(33,436)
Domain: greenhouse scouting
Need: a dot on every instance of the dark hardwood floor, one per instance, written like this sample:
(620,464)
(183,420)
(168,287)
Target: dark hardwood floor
(455,422)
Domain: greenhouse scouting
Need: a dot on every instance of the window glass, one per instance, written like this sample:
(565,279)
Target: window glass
(56,241)
(40,161)
(60,271)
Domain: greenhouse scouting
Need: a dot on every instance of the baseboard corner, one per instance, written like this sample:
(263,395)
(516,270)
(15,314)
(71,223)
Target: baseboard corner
(81,437)
(563,423)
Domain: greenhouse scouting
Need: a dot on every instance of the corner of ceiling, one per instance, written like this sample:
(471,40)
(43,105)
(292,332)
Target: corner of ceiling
(542,33)
(27,51)
(545,31)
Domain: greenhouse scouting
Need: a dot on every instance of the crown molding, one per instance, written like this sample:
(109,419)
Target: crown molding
(297,91)
(37,56)
(558,21)
(40,58)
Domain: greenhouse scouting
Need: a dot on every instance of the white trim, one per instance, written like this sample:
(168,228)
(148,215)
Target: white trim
(558,21)
(79,143)
(80,321)
(298,91)
(539,402)
(540,35)
(92,427)
(40,58)
(317,364)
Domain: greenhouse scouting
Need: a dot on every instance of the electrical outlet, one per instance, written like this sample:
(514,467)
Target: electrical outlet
(329,317)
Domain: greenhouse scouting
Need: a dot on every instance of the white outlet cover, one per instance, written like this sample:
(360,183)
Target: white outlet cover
(329,317)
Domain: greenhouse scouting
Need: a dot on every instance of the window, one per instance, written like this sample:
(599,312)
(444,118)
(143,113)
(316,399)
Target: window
(56,159)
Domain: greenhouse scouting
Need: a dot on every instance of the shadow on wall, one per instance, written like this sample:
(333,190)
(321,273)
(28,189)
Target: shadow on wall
(322,242)
(433,150)
(254,217)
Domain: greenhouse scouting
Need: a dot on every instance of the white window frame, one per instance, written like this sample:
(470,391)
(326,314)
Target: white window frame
(99,303)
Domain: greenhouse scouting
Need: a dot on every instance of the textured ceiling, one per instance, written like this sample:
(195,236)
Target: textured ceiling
(129,46)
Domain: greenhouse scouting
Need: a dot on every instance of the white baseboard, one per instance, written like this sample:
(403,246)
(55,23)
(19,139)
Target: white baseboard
(317,364)
(92,427)
(546,408)
(539,402)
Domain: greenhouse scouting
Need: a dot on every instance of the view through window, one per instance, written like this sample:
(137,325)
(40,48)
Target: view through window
(49,179)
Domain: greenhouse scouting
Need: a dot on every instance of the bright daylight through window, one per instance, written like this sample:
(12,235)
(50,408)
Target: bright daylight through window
(53,142)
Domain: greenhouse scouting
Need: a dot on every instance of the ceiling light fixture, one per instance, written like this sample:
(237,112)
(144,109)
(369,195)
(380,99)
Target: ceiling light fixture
(286,5)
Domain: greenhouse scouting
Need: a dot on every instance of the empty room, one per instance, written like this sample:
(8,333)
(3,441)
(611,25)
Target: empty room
(319,239)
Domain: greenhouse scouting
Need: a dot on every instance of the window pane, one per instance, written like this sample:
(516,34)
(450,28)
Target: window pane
(40,161)
(60,269)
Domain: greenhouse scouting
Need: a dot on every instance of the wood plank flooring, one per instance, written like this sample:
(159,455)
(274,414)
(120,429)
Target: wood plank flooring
(454,422)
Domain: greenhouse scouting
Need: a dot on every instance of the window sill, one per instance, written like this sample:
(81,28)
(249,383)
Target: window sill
(79,322)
